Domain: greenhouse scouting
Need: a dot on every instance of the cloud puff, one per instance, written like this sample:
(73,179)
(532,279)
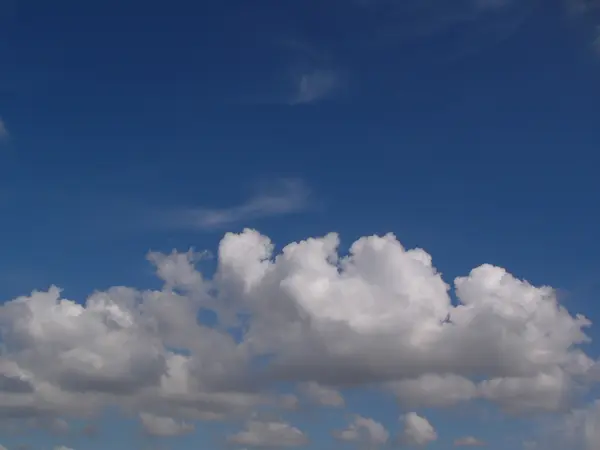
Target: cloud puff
(269,434)
(279,198)
(363,430)
(417,430)
(164,426)
(322,395)
(434,390)
(309,317)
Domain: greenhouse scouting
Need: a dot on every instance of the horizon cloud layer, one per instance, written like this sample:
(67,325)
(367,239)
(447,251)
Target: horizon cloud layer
(380,315)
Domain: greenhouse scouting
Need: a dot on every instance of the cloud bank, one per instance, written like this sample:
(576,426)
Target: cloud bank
(319,320)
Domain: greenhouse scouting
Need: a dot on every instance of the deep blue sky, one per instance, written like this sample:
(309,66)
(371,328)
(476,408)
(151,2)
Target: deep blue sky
(472,133)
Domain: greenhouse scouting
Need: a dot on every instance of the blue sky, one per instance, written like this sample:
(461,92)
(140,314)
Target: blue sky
(466,128)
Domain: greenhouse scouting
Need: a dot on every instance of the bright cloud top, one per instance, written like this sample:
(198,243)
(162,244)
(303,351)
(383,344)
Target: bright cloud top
(322,321)
(417,430)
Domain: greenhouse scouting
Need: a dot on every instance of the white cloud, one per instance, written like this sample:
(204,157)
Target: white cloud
(164,426)
(316,320)
(434,390)
(322,395)
(547,391)
(503,326)
(469,441)
(269,434)
(316,85)
(417,430)
(583,427)
(62,447)
(280,197)
(363,430)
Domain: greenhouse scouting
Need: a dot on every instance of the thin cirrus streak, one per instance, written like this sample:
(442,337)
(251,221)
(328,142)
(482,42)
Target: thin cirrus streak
(281,198)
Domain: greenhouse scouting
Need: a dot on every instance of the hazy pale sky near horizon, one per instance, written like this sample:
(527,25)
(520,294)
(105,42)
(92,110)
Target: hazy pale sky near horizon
(384,216)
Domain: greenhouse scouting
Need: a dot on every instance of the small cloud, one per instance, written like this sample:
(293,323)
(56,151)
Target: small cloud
(363,430)
(418,431)
(164,426)
(322,395)
(468,441)
(269,434)
(4,134)
(281,198)
(315,86)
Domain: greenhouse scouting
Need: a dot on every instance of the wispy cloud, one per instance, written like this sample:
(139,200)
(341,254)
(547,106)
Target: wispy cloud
(445,31)
(315,86)
(3,130)
(279,198)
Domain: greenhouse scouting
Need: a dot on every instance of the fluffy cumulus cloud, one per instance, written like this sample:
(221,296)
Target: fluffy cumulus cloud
(363,430)
(311,318)
(164,426)
(269,434)
(417,430)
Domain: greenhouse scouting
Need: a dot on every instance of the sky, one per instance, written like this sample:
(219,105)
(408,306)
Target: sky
(340,224)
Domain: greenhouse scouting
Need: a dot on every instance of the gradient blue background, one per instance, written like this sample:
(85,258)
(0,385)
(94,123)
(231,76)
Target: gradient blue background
(480,144)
